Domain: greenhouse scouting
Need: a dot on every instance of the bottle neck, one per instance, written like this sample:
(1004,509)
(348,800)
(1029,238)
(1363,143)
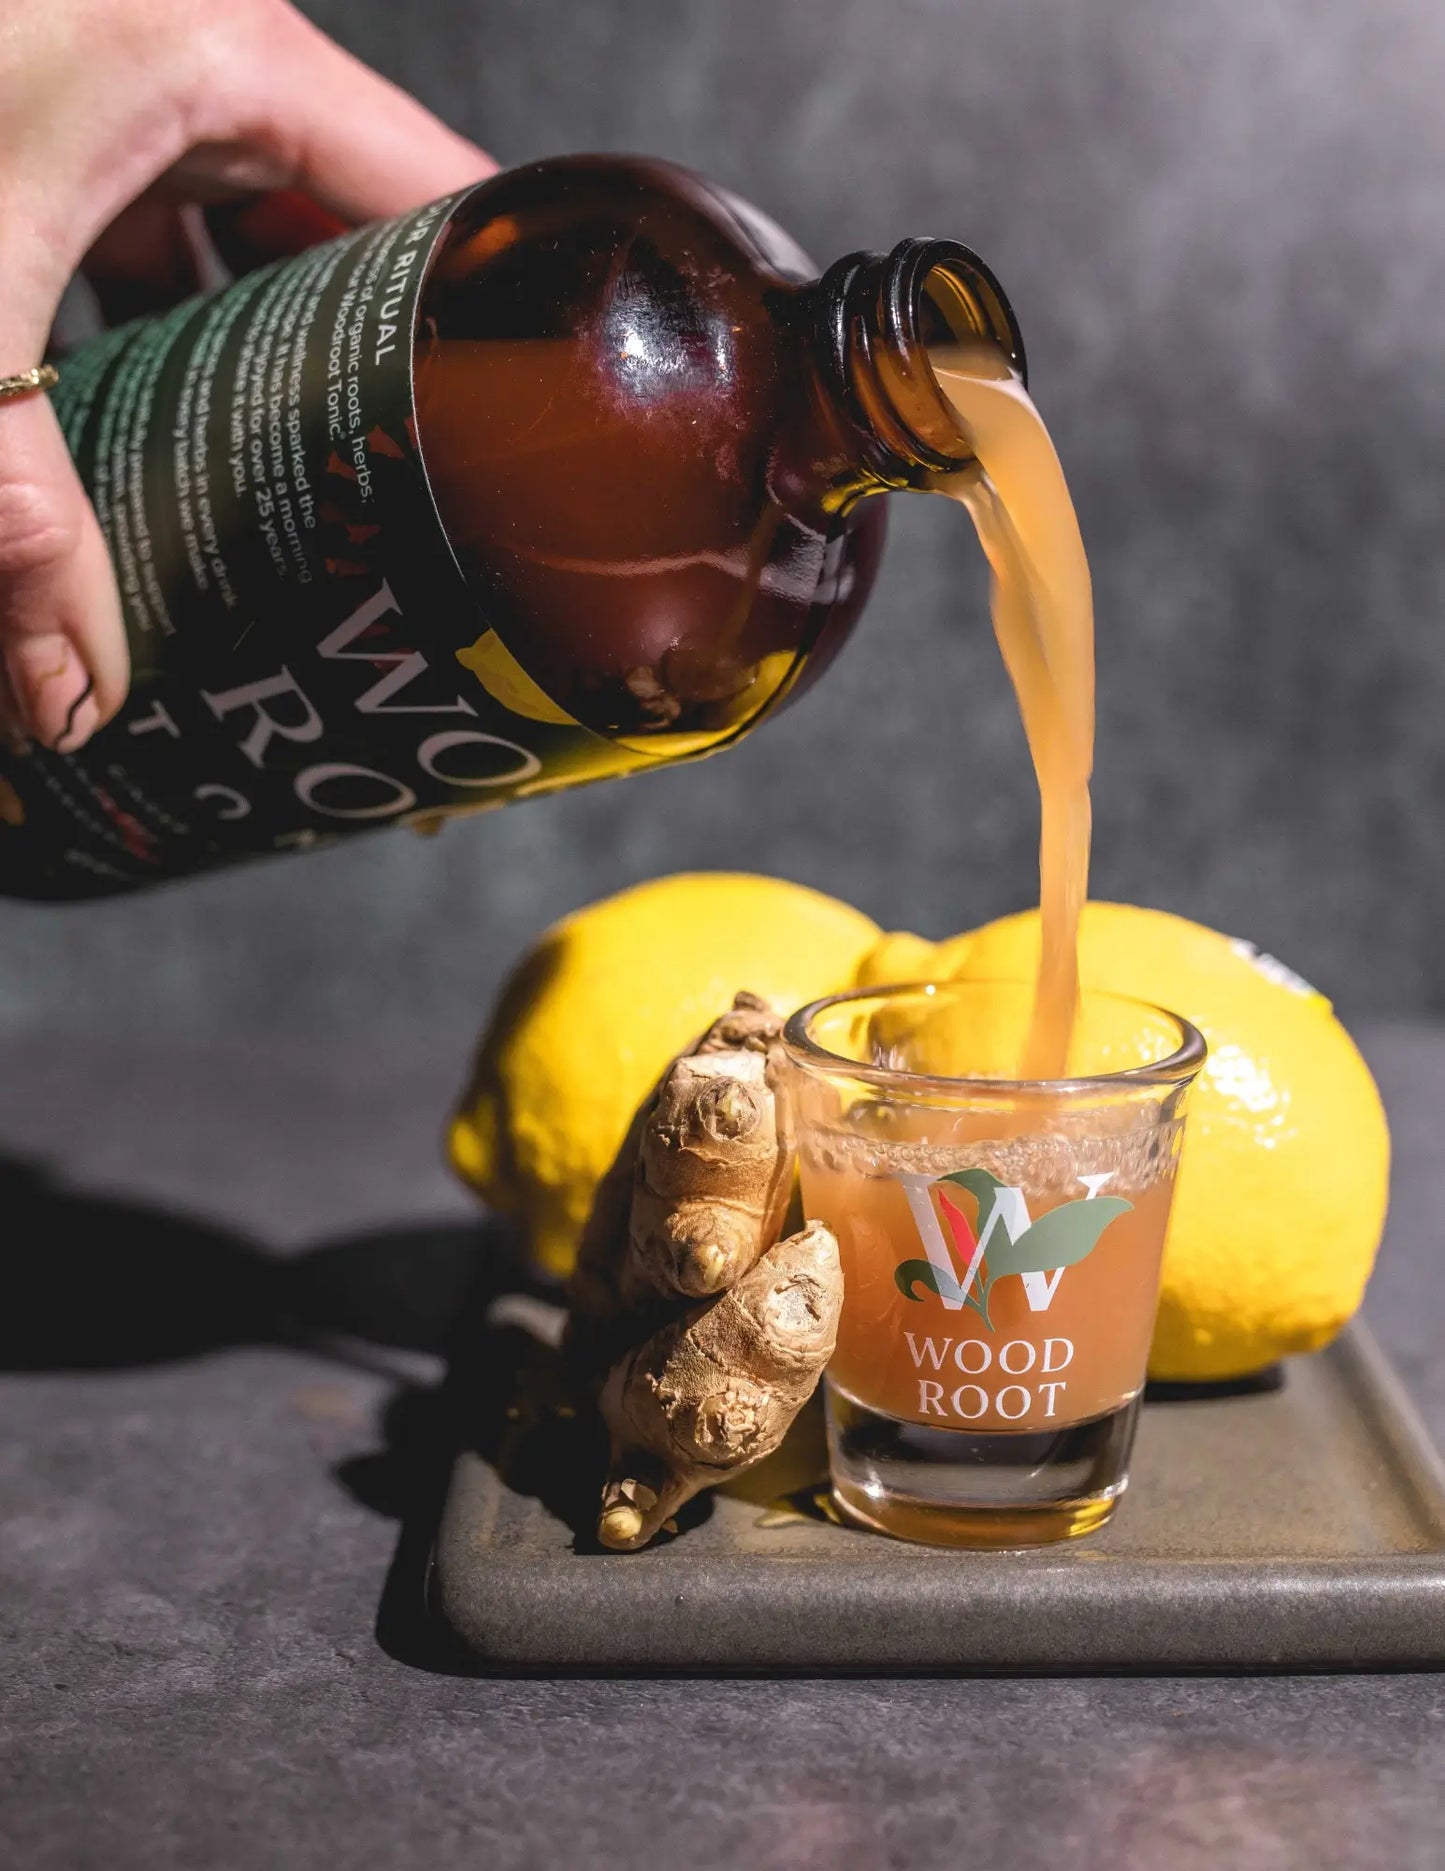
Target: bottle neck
(878,314)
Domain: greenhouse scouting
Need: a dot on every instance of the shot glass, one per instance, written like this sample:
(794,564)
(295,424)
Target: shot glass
(1001,1244)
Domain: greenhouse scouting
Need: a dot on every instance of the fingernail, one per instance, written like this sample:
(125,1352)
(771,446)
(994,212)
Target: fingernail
(52,691)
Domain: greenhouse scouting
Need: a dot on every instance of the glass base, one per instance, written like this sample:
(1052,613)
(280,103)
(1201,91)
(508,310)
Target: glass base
(955,1487)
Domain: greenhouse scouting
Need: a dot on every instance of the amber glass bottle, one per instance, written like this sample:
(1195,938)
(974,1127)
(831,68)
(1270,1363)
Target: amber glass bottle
(556,479)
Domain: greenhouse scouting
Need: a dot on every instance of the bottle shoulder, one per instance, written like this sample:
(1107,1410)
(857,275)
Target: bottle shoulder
(641,196)
(618,407)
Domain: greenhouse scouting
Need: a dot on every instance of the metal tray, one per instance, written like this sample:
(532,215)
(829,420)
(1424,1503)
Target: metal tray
(1292,1525)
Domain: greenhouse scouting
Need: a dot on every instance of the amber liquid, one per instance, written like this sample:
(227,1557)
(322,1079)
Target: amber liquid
(1006,1420)
(1043,617)
(1026,1365)
(612,399)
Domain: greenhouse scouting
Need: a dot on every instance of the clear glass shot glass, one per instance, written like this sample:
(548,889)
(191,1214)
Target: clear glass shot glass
(1001,1244)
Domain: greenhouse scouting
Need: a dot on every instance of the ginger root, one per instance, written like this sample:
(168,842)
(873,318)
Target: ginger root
(697,1331)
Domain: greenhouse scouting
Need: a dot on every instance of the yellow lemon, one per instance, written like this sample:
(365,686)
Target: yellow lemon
(899,957)
(1284,1178)
(594,1012)
(984,1033)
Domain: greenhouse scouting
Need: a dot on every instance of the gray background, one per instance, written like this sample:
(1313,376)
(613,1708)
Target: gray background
(1223,228)
(1223,225)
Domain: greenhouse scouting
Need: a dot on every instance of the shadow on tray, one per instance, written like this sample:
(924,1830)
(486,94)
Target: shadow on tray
(110,1284)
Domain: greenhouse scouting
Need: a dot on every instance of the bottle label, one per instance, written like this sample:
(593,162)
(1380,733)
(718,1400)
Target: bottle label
(307,658)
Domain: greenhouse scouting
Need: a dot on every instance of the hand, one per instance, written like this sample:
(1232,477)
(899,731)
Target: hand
(700,1334)
(114,113)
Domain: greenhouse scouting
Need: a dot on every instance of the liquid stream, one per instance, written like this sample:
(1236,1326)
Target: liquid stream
(1043,617)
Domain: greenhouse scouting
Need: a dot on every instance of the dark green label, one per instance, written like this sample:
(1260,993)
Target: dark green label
(307,658)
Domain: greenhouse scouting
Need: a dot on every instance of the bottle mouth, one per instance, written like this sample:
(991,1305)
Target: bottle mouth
(883,312)
(940,291)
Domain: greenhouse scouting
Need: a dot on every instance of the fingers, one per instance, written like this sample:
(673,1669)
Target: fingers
(311,116)
(270,102)
(62,639)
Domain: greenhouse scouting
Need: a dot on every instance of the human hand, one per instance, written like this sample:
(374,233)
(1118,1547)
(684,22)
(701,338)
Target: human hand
(113,115)
(698,1331)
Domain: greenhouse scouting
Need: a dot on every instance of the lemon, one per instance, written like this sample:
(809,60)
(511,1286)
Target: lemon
(899,957)
(596,1009)
(1284,1178)
(985,1034)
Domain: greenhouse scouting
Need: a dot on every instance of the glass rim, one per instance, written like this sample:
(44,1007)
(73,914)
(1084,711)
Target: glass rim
(1176,1068)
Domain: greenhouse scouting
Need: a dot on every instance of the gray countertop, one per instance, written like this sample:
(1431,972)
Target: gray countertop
(208,1642)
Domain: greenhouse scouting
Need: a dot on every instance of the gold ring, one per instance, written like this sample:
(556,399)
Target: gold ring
(43,377)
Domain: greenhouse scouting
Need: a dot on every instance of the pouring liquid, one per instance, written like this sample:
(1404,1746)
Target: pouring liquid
(1043,617)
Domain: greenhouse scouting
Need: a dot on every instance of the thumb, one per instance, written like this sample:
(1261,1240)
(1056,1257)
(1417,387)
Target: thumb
(62,640)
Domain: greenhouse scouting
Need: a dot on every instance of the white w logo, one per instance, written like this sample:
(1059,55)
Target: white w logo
(1007,1240)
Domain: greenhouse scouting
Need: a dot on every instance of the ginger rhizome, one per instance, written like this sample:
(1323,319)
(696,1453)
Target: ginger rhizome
(700,1333)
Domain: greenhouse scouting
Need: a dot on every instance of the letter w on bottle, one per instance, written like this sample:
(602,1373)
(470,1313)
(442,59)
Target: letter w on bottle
(1007,1239)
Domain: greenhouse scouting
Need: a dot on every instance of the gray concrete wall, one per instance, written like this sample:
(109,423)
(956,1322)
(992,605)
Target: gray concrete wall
(1223,228)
